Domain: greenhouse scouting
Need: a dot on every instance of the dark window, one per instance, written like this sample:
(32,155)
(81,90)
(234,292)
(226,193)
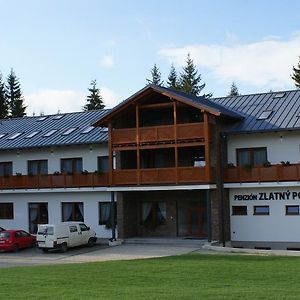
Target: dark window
(71,165)
(73,228)
(261,210)
(103,164)
(153,214)
(6,210)
(252,156)
(72,211)
(36,167)
(239,210)
(6,168)
(83,227)
(292,210)
(38,214)
(105,213)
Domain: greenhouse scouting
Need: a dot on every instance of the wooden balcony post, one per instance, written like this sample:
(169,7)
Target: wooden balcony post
(137,126)
(110,155)
(175,140)
(207,146)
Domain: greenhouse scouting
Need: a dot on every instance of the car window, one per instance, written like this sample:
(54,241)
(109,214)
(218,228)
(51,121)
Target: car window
(17,234)
(24,234)
(46,230)
(83,227)
(73,228)
(4,235)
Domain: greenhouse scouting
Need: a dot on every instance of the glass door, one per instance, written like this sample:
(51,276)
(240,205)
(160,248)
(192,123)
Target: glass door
(38,214)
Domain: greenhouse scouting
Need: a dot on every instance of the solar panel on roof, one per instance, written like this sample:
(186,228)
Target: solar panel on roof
(49,133)
(14,136)
(265,115)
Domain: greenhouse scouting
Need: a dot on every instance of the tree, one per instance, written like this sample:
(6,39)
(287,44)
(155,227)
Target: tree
(3,100)
(172,79)
(94,99)
(233,90)
(155,76)
(296,75)
(189,81)
(14,96)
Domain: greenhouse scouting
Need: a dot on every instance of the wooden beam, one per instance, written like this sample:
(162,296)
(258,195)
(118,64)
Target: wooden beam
(156,105)
(207,145)
(110,155)
(137,125)
(175,137)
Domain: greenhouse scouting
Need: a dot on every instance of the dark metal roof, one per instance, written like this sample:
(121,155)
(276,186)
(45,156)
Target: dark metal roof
(28,125)
(285,107)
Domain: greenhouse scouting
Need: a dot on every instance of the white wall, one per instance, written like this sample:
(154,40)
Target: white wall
(281,146)
(89,154)
(276,227)
(90,205)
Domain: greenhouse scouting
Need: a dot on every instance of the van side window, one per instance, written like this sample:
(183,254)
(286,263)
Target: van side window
(83,227)
(73,228)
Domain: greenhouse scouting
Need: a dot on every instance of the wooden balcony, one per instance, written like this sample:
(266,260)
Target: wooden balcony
(271,173)
(182,175)
(53,181)
(163,133)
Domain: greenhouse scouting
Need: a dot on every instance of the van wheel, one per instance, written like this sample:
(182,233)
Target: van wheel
(91,242)
(63,247)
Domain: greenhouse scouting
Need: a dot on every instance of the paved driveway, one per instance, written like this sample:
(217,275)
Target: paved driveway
(29,257)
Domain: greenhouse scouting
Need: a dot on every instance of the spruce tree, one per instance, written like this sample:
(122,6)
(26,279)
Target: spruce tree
(14,96)
(94,99)
(233,90)
(155,76)
(189,80)
(3,100)
(172,79)
(296,75)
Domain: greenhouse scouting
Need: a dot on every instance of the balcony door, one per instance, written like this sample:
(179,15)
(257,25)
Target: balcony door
(38,214)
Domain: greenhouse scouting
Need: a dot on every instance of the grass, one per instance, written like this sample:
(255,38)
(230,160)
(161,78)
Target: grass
(193,276)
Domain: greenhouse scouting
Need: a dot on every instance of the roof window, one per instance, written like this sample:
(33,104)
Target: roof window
(41,118)
(68,131)
(279,95)
(265,115)
(29,136)
(88,129)
(14,136)
(49,133)
(57,117)
(2,135)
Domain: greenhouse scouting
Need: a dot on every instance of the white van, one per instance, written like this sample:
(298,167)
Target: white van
(64,235)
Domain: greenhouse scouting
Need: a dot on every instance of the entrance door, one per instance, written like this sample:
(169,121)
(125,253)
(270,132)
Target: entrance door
(196,221)
(38,214)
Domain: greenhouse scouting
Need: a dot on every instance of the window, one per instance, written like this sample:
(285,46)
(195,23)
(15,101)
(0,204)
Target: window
(49,133)
(57,117)
(83,227)
(292,210)
(2,135)
(252,156)
(153,214)
(73,228)
(14,136)
(261,210)
(72,211)
(6,210)
(6,168)
(71,165)
(88,129)
(41,118)
(265,115)
(105,213)
(29,136)
(103,164)
(239,210)
(279,95)
(36,167)
(69,131)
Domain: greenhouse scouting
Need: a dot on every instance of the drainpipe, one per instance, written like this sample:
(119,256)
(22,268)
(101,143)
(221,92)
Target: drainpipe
(112,216)
(221,186)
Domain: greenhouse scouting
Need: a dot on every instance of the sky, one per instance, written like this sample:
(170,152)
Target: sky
(58,47)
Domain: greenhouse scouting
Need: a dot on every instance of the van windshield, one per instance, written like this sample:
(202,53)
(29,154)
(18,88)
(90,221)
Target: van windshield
(46,230)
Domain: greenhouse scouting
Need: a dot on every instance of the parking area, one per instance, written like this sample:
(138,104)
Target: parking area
(34,256)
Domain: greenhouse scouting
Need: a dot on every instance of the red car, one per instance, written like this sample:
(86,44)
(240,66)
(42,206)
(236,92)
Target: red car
(13,240)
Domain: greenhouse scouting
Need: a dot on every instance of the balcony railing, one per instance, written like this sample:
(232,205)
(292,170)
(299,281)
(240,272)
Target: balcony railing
(263,174)
(158,133)
(53,181)
(180,175)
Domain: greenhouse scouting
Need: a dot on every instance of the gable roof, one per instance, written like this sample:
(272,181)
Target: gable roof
(282,108)
(74,122)
(198,102)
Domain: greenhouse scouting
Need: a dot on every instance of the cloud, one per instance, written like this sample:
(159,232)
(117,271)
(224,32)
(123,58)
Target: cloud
(51,101)
(266,63)
(108,61)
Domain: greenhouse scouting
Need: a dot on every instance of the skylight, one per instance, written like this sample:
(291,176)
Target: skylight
(88,129)
(279,95)
(29,136)
(41,118)
(49,133)
(14,136)
(265,115)
(2,135)
(68,131)
(57,117)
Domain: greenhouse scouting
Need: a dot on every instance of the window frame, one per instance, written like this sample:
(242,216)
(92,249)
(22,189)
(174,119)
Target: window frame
(39,162)
(107,222)
(255,213)
(287,213)
(239,213)
(73,161)
(7,211)
(73,214)
(154,211)
(7,167)
(251,150)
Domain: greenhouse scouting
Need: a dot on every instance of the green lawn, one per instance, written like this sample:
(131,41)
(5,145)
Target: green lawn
(194,276)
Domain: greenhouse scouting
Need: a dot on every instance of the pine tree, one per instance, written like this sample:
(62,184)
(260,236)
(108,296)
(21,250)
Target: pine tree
(14,96)
(233,90)
(94,99)
(189,81)
(3,100)
(172,79)
(296,75)
(155,76)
